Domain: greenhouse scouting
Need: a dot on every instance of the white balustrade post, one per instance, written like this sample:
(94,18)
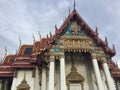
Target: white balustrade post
(97,72)
(51,73)
(43,78)
(107,74)
(62,74)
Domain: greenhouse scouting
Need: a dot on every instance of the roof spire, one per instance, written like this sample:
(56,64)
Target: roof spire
(106,42)
(69,10)
(20,41)
(5,50)
(114,48)
(33,38)
(39,35)
(50,34)
(74,4)
(96,31)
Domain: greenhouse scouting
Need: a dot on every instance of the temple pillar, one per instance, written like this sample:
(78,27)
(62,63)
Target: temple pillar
(43,78)
(97,72)
(107,74)
(51,73)
(62,74)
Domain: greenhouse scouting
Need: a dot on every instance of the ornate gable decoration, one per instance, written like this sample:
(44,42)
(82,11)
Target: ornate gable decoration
(75,35)
(75,28)
(23,85)
(74,76)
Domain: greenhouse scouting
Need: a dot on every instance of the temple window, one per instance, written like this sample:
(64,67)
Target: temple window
(28,51)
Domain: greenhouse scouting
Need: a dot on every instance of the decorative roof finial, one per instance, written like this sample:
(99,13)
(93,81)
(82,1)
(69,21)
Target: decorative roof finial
(114,48)
(74,4)
(20,41)
(50,35)
(5,50)
(56,30)
(39,35)
(106,42)
(69,10)
(33,38)
(96,31)
(56,27)
(47,36)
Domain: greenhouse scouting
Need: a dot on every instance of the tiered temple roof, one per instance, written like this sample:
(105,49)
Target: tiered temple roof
(28,55)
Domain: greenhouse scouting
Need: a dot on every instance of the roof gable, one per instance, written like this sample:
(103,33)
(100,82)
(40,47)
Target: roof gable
(74,25)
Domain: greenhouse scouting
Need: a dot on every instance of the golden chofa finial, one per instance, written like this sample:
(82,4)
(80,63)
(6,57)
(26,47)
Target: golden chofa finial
(20,41)
(39,35)
(106,41)
(5,50)
(114,48)
(50,34)
(33,38)
(74,4)
(69,9)
(96,31)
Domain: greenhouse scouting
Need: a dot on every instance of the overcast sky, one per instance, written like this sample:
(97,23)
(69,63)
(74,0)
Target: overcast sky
(22,18)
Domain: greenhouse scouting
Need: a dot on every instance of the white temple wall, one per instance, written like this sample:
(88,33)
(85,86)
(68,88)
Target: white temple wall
(85,68)
(47,79)
(103,79)
(17,80)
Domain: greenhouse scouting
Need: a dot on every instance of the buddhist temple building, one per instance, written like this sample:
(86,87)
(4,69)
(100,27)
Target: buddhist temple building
(74,58)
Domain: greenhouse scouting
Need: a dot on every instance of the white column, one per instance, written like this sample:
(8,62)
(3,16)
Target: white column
(37,80)
(43,78)
(108,76)
(51,74)
(14,82)
(62,74)
(97,73)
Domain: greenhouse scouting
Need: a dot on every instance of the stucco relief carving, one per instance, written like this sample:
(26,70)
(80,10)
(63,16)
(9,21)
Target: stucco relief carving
(75,28)
(74,77)
(23,85)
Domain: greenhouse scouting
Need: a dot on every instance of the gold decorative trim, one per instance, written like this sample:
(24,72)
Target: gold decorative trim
(104,60)
(23,85)
(74,77)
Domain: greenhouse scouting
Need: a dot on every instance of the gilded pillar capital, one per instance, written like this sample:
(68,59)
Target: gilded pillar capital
(52,59)
(93,56)
(104,60)
(61,56)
